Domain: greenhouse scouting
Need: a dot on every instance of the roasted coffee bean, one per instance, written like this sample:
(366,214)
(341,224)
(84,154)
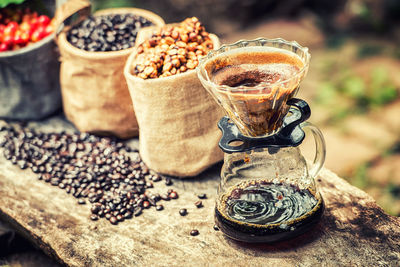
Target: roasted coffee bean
(168,181)
(194,232)
(152,201)
(120,217)
(90,168)
(146,204)
(159,207)
(113,220)
(137,211)
(202,196)
(173,195)
(198,204)
(127,215)
(95,208)
(156,178)
(165,197)
(183,212)
(94,217)
(216,227)
(106,33)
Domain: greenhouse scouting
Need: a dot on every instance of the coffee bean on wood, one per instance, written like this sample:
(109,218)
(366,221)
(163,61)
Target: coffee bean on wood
(112,32)
(101,170)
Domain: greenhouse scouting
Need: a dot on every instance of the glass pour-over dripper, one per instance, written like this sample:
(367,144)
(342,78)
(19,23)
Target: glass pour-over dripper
(267,190)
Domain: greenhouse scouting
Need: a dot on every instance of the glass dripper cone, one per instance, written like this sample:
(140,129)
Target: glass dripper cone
(252,81)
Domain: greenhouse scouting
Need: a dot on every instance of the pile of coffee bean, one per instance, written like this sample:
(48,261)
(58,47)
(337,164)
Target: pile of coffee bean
(172,50)
(112,32)
(101,170)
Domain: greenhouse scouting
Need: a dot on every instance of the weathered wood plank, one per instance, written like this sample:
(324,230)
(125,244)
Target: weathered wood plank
(353,231)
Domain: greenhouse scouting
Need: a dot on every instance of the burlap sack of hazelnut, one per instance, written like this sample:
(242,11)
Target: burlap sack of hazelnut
(93,54)
(178,133)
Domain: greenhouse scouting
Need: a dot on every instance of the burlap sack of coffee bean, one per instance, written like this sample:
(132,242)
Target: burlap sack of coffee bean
(94,92)
(178,133)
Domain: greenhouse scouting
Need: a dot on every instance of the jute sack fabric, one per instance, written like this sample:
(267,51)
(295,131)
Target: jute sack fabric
(94,91)
(178,133)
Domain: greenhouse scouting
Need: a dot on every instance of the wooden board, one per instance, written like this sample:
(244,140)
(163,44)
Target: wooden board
(353,231)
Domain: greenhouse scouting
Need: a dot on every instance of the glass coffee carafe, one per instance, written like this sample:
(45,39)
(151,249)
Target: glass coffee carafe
(267,191)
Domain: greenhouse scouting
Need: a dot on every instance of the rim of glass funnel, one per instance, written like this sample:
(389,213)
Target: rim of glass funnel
(260,42)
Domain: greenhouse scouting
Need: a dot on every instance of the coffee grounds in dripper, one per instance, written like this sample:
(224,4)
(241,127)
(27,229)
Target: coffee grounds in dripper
(254,87)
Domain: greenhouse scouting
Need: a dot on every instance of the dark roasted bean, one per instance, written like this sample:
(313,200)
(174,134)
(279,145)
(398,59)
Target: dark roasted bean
(165,197)
(202,196)
(168,181)
(95,208)
(113,220)
(146,204)
(216,227)
(183,212)
(106,33)
(128,215)
(198,204)
(137,211)
(194,232)
(94,217)
(151,201)
(120,217)
(89,168)
(173,195)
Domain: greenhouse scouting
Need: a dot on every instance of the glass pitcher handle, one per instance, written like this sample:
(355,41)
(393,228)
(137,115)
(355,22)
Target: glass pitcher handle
(320,149)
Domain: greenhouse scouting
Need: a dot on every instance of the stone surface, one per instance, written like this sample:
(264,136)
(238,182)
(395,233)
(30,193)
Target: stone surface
(354,231)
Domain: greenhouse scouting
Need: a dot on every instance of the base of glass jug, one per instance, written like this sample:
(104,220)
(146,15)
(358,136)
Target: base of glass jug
(256,233)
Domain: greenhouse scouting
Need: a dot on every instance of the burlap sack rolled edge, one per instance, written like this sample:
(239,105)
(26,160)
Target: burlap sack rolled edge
(100,58)
(217,153)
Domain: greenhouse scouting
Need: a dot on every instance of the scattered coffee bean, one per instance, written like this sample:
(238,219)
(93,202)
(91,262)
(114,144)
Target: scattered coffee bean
(183,212)
(146,204)
(94,217)
(198,204)
(128,215)
(165,197)
(113,220)
(194,232)
(100,170)
(216,227)
(120,218)
(173,195)
(159,207)
(156,178)
(138,211)
(202,196)
(168,181)
(107,32)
